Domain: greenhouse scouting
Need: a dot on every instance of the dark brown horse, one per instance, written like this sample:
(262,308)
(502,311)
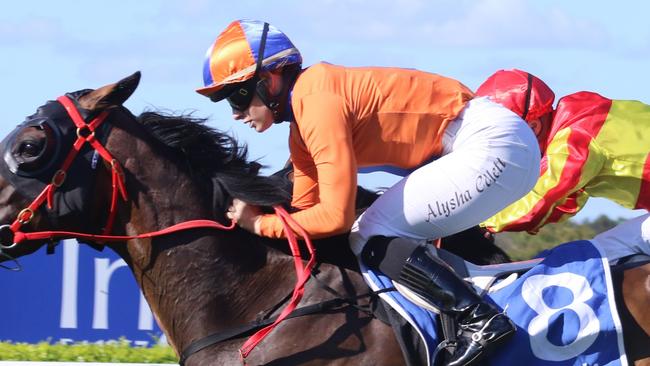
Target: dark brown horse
(197,282)
(201,281)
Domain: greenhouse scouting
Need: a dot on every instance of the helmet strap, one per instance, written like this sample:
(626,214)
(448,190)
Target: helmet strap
(529,90)
(276,103)
(260,51)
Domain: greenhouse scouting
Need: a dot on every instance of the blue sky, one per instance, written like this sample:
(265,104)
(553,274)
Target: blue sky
(51,47)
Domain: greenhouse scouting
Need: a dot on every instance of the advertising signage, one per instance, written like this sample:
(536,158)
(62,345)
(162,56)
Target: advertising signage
(76,294)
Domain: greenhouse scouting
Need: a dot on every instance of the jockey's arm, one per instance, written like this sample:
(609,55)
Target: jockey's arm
(325,180)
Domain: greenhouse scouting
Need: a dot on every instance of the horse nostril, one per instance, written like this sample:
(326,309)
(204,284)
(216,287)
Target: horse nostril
(6,236)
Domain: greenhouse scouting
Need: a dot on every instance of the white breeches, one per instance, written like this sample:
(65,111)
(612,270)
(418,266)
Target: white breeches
(490,159)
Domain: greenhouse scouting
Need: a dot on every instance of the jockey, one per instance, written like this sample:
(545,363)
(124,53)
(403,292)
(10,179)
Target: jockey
(469,158)
(591,146)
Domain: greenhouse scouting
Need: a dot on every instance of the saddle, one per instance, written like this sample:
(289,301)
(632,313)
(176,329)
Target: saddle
(485,278)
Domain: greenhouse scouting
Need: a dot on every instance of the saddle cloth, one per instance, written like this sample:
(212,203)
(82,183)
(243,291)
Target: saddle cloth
(563,307)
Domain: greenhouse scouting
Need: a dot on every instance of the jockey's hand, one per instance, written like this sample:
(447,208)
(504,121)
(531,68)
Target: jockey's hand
(247,216)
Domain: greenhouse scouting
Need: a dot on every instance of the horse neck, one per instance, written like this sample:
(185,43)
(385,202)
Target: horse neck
(200,281)
(222,279)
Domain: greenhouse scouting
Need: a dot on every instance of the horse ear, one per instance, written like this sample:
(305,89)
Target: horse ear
(111,95)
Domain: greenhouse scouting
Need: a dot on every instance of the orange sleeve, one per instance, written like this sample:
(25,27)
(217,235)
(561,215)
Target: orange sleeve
(325,171)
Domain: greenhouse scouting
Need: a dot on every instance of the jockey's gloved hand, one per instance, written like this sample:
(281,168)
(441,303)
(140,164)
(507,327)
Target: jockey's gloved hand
(248,216)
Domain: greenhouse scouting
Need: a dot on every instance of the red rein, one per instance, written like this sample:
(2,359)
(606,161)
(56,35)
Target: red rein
(86,133)
(302,273)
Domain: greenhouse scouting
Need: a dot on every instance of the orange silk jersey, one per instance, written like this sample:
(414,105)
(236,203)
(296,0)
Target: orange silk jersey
(597,147)
(347,118)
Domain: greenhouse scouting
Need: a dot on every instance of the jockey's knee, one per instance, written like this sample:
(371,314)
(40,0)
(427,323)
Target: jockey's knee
(388,254)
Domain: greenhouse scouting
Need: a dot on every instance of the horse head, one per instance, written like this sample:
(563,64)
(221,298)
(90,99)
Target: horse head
(31,166)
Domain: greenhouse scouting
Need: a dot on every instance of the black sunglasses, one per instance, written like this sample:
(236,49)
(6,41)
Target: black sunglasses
(239,95)
(242,95)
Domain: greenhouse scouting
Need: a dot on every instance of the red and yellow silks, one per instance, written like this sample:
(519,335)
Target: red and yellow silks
(597,147)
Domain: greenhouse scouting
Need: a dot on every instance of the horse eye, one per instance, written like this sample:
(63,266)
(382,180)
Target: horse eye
(30,148)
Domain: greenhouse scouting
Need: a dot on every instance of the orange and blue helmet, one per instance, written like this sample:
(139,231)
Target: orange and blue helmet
(520,91)
(239,54)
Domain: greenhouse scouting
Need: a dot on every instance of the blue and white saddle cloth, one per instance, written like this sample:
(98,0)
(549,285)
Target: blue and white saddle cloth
(563,307)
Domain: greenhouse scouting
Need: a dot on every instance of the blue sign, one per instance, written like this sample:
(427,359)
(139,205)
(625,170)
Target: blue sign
(77,294)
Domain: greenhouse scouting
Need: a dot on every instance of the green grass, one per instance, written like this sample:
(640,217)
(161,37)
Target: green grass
(111,351)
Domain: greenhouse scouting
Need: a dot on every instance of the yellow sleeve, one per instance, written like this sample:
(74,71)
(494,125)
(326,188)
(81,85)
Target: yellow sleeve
(572,159)
(571,206)
(325,177)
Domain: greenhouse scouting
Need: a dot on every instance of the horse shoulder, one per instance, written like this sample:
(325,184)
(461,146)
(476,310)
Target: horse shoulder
(636,292)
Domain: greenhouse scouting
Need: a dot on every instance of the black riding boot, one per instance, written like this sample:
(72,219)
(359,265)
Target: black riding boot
(481,327)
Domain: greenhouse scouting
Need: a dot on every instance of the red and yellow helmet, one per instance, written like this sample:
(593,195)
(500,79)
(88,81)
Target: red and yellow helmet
(240,52)
(520,91)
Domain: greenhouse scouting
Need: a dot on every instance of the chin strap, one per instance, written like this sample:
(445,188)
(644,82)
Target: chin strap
(280,104)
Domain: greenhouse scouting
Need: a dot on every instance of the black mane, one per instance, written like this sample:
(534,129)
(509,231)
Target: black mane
(211,155)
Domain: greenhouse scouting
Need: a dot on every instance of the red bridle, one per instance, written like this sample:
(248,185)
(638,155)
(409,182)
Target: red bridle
(86,134)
